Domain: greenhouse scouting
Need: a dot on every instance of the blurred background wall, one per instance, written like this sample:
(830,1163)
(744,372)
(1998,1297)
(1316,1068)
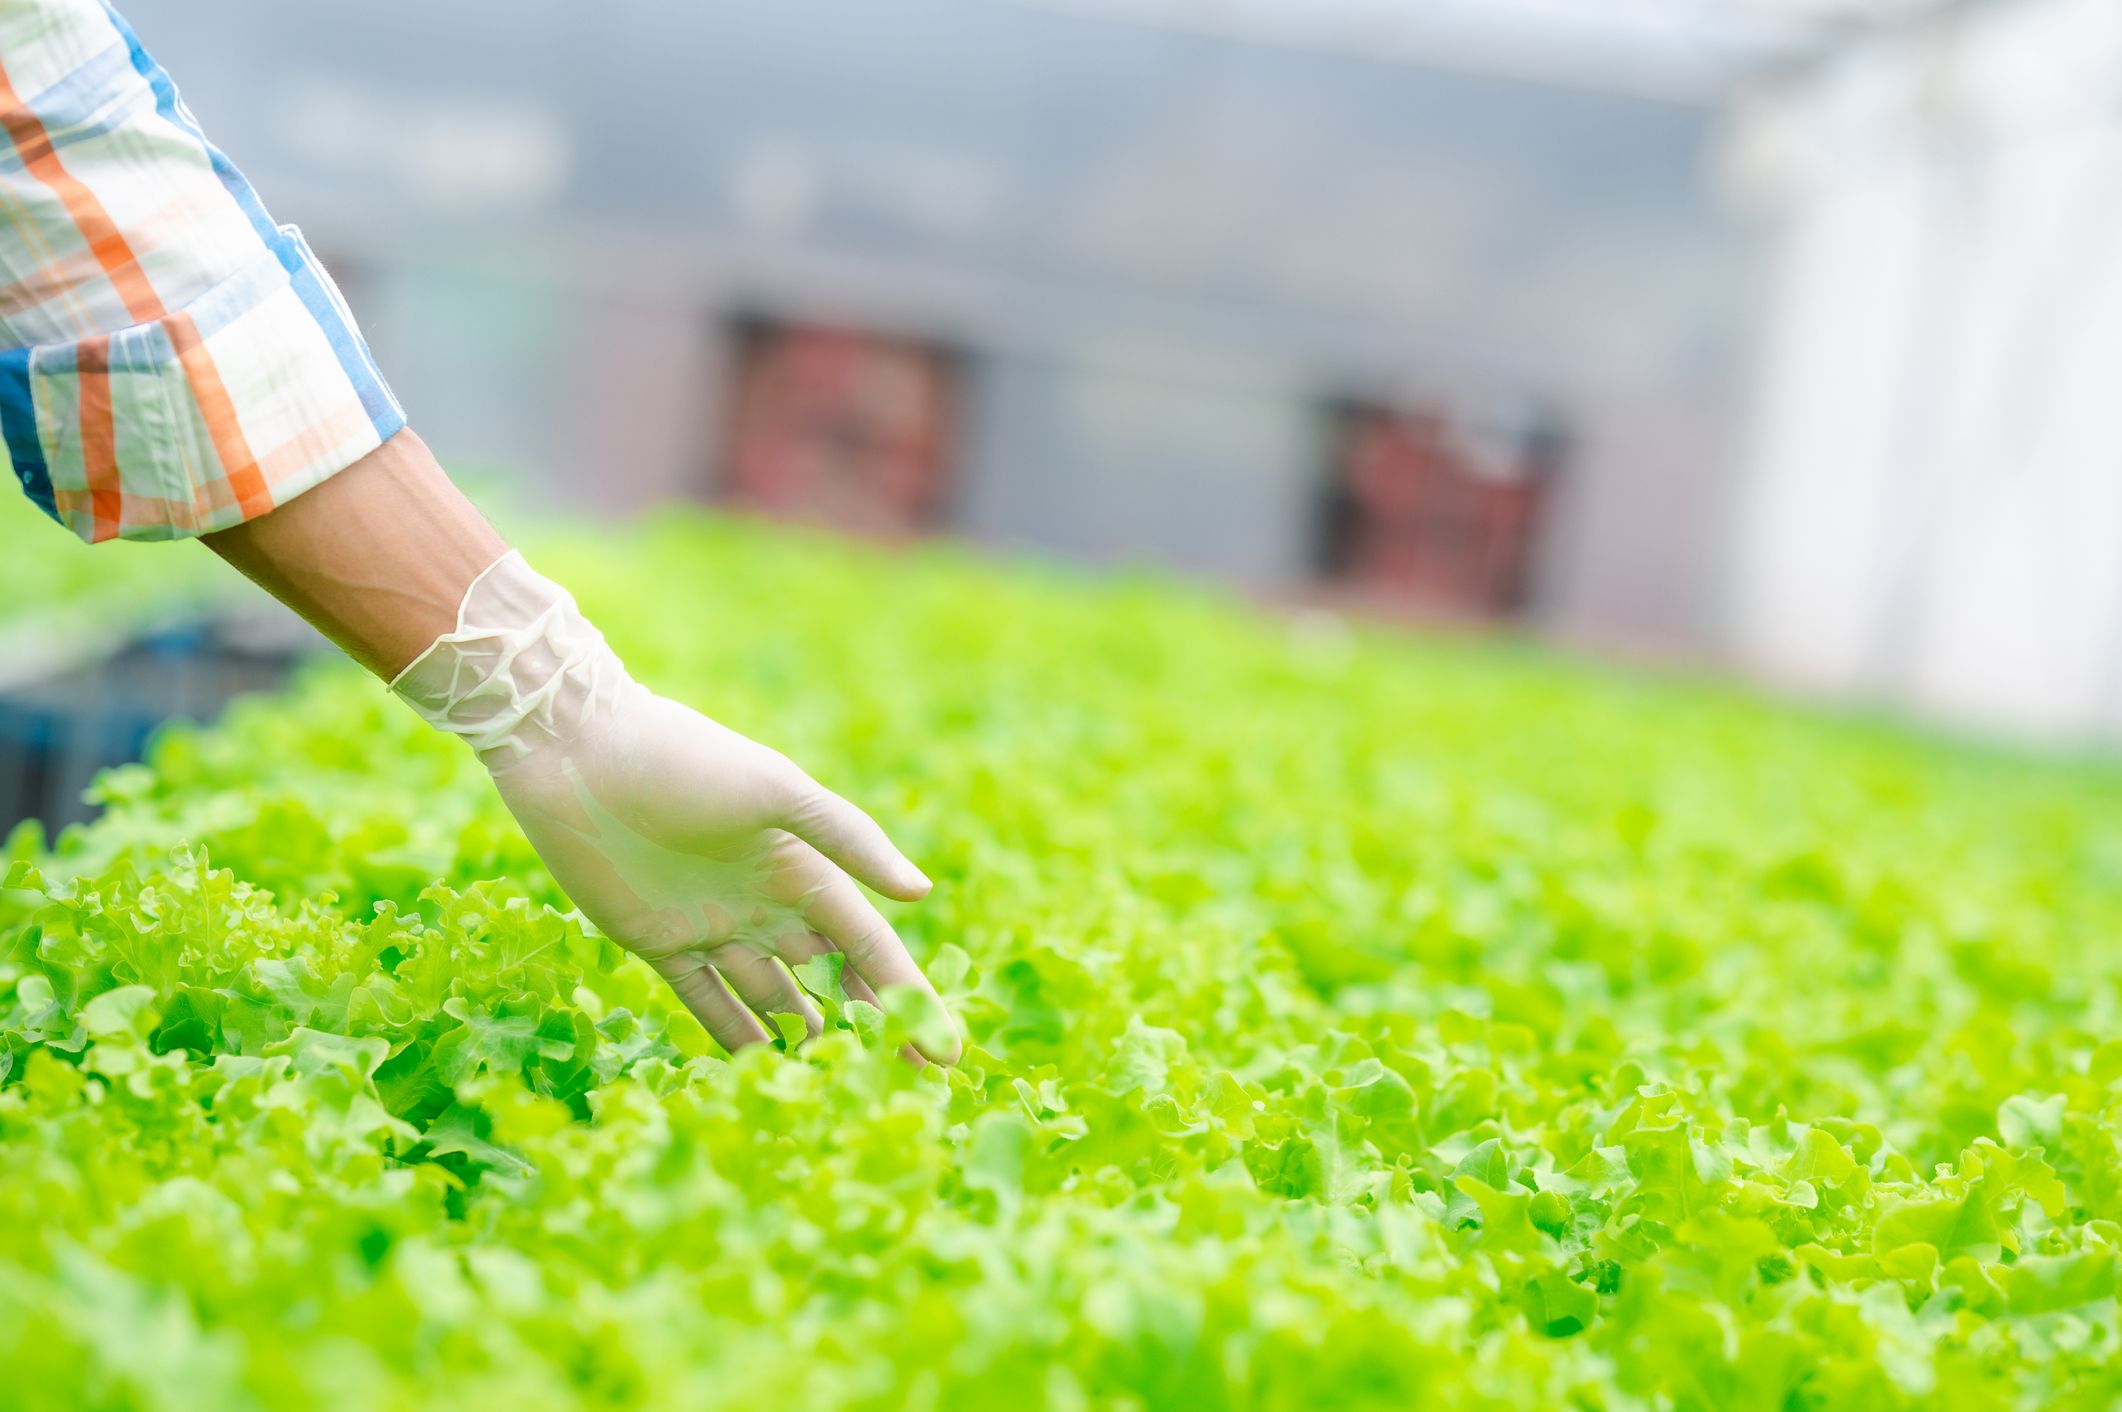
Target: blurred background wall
(1769,332)
(1932,504)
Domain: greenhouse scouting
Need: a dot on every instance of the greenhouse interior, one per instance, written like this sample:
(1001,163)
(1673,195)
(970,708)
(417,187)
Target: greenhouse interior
(1160,704)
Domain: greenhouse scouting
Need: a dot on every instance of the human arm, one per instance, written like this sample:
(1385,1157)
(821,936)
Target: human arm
(173,364)
(713,857)
(377,558)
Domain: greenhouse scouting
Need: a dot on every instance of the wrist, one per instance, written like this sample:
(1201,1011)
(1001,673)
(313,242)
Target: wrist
(522,668)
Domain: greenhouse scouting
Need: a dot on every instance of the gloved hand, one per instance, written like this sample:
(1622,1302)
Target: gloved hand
(711,856)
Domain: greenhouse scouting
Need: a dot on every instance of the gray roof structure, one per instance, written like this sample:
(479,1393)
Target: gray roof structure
(1197,237)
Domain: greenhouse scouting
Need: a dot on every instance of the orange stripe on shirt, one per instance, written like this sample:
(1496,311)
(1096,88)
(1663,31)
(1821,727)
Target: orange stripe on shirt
(99,439)
(60,276)
(238,465)
(34,145)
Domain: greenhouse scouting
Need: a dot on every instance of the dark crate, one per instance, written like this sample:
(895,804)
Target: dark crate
(84,709)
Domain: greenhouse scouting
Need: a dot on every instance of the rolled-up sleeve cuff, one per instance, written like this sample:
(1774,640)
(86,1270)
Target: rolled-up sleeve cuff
(208,416)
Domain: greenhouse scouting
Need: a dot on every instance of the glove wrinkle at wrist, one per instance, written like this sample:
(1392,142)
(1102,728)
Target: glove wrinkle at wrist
(522,668)
(711,856)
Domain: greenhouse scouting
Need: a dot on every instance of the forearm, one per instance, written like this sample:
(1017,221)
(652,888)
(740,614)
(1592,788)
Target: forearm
(221,390)
(377,558)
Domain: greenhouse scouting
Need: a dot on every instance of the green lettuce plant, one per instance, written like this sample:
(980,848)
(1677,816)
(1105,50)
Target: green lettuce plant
(1353,1021)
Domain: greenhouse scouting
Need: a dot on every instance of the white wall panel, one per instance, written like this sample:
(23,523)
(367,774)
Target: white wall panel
(1932,506)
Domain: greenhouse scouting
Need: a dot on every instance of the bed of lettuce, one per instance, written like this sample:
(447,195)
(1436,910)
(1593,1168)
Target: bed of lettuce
(1353,1022)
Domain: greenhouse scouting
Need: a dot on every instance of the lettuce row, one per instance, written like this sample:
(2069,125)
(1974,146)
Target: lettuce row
(1352,1022)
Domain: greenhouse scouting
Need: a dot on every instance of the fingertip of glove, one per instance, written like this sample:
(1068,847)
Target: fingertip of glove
(945,1056)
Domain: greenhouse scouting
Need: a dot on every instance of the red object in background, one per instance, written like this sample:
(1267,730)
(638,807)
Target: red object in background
(837,427)
(1415,517)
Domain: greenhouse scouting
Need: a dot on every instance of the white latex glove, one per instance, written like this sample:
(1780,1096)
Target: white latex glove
(711,856)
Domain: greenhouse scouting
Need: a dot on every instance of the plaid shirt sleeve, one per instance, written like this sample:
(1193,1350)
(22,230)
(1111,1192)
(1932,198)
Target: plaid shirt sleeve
(171,362)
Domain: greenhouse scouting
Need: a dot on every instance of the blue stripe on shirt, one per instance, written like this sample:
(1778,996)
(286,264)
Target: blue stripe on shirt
(353,355)
(172,109)
(18,426)
(77,107)
(361,371)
